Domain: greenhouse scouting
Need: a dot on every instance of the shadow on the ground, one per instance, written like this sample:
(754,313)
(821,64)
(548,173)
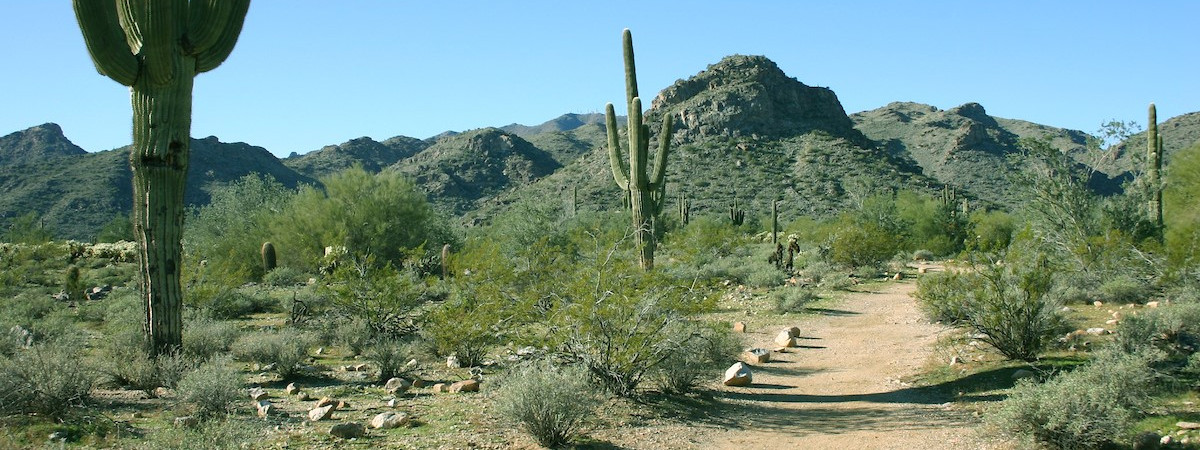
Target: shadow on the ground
(831,311)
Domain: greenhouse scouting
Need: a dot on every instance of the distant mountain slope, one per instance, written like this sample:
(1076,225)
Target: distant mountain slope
(462,171)
(36,143)
(77,193)
(1177,133)
(371,155)
(962,147)
(565,122)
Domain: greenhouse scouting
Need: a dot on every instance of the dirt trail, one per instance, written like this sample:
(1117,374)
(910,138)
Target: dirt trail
(841,389)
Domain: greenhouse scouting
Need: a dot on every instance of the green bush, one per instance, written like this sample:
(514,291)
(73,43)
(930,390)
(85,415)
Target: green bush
(389,355)
(286,349)
(792,299)
(125,361)
(1174,331)
(212,389)
(943,295)
(467,326)
(547,401)
(1084,409)
(709,350)
(285,277)
(378,296)
(1124,290)
(47,379)
(204,337)
(228,232)
(228,433)
(1014,307)
(990,231)
(1181,210)
(861,244)
(225,303)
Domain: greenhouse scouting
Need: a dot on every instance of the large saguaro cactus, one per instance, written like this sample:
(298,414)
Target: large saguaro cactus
(646,189)
(156,47)
(1154,169)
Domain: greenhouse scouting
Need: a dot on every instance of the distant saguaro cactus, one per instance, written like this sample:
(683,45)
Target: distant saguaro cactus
(736,215)
(268,256)
(646,189)
(156,47)
(685,210)
(1154,169)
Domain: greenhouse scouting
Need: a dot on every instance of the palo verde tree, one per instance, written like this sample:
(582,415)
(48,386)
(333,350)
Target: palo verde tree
(156,47)
(646,190)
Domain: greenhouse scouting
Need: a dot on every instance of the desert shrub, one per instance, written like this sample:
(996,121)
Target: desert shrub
(378,296)
(285,276)
(1123,289)
(1014,307)
(623,324)
(28,229)
(1083,409)
(923,255)
(709,350)
(204,337)
(467,326)
(225,303)
(229,231)
(212,389)
(46,379)
(861,244)
(990,231)
(943,295)
(354,335)
(286,349)
(547,401)
(125,361)
(1174,331)
(227,433)
(792,299)
(382,214)
(389,354)
(1181,210)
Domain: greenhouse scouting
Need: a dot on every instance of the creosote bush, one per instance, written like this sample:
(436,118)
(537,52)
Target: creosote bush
(942,296)
(124,362)
(389,355)
(792,299)
(46,379)
(287,349)
(204,337)
(547,401)
(212,389)
(1083,409)
(1014,307)
(708,351)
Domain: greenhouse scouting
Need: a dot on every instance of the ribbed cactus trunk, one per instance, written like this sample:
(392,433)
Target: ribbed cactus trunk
(1154,169)
(645,187)
(156,47)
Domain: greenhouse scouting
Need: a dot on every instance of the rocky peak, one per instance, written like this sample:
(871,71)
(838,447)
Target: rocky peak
(750,96)
(31,144)
(974,111)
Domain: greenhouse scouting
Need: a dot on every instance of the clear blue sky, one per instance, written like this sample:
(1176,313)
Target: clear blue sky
(309,73)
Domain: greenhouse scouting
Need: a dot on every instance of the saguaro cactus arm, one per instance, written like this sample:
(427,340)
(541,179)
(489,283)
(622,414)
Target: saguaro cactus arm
(660,158)
(105,40)
(213,27)
(620,174)
(631,90)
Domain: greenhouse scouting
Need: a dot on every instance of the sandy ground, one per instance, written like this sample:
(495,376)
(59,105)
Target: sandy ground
(841,389)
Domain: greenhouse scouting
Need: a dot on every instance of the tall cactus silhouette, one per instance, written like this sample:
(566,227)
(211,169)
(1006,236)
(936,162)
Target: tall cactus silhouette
(646,189)
(1154,169)
(156,47)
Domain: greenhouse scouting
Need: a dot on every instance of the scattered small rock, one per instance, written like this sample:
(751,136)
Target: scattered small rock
(739,327)
(1166,440)
(758,356)
(419,383)
(348,430)
(326,401)
(1153,304)
(452,362)
(264,407)
(464,386)
(1097,303)
(186,421)
(794,332)
(392,403)
(955,360)
(320,413)
(785,339)
(1096,331)
(922,270)
(291,389)
(1188,425)
(439,387)
(899,276)
(738,375)
(386,420)
(257,393)
(397,385)
(1020,374)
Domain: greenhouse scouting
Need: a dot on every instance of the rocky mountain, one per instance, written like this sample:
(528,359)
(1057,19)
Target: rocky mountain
(461,171)
(962,147)
(565,122)
(373,156)
(1177,133)
(76,192)
(37,143)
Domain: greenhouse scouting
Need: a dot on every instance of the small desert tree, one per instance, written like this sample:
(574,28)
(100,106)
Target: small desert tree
(157,47)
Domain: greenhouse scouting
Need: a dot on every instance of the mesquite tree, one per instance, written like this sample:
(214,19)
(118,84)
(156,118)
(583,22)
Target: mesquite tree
(156,47)
(646,189)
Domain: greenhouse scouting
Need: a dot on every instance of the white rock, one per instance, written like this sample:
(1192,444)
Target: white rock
(320,413)
(758,356)
(397,385)
(386,420)
(785,339)
(738,375)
